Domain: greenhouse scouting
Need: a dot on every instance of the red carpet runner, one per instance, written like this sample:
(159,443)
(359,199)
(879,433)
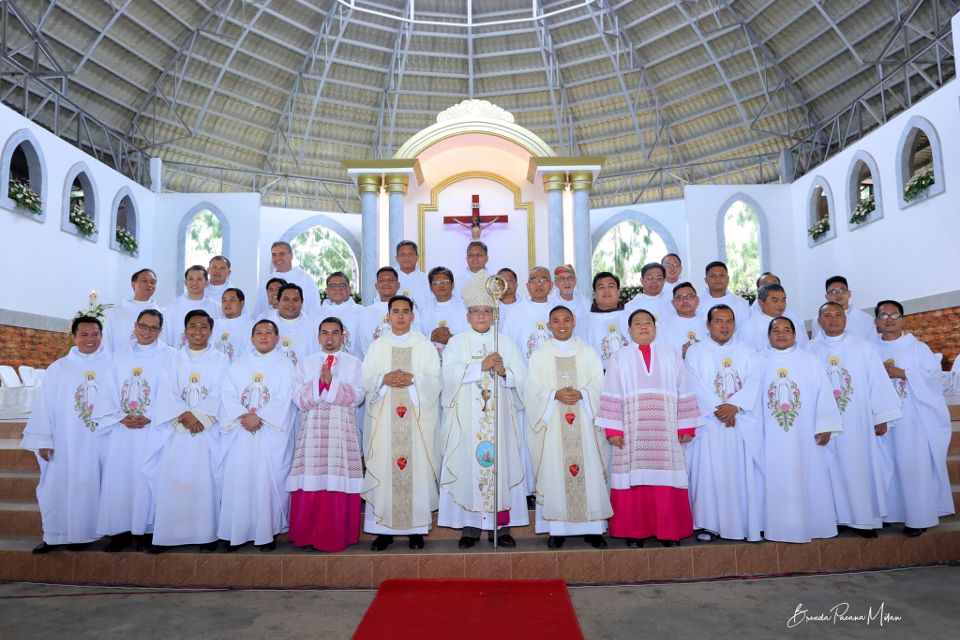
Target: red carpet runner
(470,610)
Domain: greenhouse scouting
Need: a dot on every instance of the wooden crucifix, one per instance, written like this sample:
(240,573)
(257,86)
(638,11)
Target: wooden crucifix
(475,222)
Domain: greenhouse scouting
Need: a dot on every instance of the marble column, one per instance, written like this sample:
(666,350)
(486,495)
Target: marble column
(396,184)
(553,184)
(369,187)
(581,182)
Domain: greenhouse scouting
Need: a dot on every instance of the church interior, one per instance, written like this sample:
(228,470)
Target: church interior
(804,139)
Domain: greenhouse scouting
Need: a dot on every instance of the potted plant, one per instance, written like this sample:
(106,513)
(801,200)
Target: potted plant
(25,197)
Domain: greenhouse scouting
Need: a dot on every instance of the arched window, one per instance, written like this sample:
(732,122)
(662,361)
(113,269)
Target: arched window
(125,235)
(820,221)
(920,168)
(21,176)
(320,252)
(79,213)
(741,238)
(203,239)
(864,198)
(625,248)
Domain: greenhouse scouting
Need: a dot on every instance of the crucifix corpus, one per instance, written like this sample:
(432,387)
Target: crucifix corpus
(475,222)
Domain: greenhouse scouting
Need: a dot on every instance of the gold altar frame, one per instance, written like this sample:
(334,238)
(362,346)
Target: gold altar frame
(518,205)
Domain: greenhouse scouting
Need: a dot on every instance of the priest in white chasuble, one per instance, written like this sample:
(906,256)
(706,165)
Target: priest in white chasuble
(481,443)
(653,298)
(526,324)
(688,324)
(717,279)
(859,323)
(126,502)
(257,420)
(119,320)
(445,316)
(184,451)
(799,417)
(195,296)
(867,402)
(565,292)
(771,303)
(413,282)
(374,319)
(232,337)
(401,377)
(340,304)
(648,409)
(78,397)
(918,492)
(606,323)
(326,477)
(725,460)
(570,452)
(298,331)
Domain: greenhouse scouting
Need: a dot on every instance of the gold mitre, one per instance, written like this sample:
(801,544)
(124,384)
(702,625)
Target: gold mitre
(474,292)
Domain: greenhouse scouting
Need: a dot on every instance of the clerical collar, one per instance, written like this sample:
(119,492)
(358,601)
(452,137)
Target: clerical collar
(446,303)
(882,339)
(142,348)
(401,338)
(196,353)
(562,345)
(721,344)
(288,320)
(834,338)
(77,351)
(787,350)
(141,303)
(257,354)
(532,301)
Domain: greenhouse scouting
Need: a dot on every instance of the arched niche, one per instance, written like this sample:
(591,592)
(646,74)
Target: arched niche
(79,190)
(863,182)
(184,227)
(320,220)
(124,215)
(650,224)
(24,145)
(749,207)
(820,205)
(906,160)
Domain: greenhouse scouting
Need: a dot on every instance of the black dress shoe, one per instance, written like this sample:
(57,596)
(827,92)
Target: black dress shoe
(155,549)
(911,532)
(381,543)
(119,542)
(531,503)
(669,543)
(467,542)
(43,547)
(634,543)
(506,540)
(142,542)
(555,542)
(270,546)
(416,541)
(596,541)
(210,547)
(233,548)
(865,533)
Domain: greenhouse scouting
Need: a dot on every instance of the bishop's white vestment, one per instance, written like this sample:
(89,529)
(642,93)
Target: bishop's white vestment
(119,321)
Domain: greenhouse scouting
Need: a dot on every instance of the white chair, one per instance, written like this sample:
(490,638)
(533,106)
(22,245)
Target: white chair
(9,377)
(16,400)
(29,376)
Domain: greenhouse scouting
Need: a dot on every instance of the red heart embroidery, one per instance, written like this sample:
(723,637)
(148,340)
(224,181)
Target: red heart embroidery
(402,463)
(401,411)
(569,417)
(574,470)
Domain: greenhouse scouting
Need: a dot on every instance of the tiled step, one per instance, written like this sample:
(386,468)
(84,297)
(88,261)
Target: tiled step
(12,430)
(954,439)
(18,485)
(954,408)
(953,468)
(20,518)
(13,458)
(577,563)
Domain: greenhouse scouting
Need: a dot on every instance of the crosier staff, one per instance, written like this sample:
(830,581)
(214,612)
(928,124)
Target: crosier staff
(496,286)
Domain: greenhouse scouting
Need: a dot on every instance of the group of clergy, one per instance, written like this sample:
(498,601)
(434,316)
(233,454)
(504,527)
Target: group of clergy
(216,423)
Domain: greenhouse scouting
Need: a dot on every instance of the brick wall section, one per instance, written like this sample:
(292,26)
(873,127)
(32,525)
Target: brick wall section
(35,348)
(939,329)
(32,347)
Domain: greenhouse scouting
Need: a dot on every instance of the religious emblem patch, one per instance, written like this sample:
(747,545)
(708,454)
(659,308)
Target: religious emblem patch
(728,380)
(194,392)
(485,454)
(135,393)
(840,381)
(256,394)
(223,345)
(783,399)
(898,383)
(84,398)
(286,345)
(612,342)
(537,338)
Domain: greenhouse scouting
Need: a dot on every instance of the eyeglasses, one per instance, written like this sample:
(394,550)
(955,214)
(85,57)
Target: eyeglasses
(671,265)
(441,283)
(838,291)
(653,278)
(148,327)
(481,311)
(689,296)
(539,280)
(337,286)
(889,316)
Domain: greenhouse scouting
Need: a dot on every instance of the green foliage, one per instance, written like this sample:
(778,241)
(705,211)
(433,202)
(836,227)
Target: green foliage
(320,252)
(629,293)
(741,230)
(79,218)
(819,228)
(25,197)
(864,208)
(624,249)
(204,239)
(918,185)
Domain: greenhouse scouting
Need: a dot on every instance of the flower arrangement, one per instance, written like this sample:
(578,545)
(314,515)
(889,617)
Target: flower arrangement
(126,240)
(94,308)
(863,210)
(918,185)
(819,228)
(79,218)
(25,197)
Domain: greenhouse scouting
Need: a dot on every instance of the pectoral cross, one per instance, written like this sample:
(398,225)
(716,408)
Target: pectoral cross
(475,222)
